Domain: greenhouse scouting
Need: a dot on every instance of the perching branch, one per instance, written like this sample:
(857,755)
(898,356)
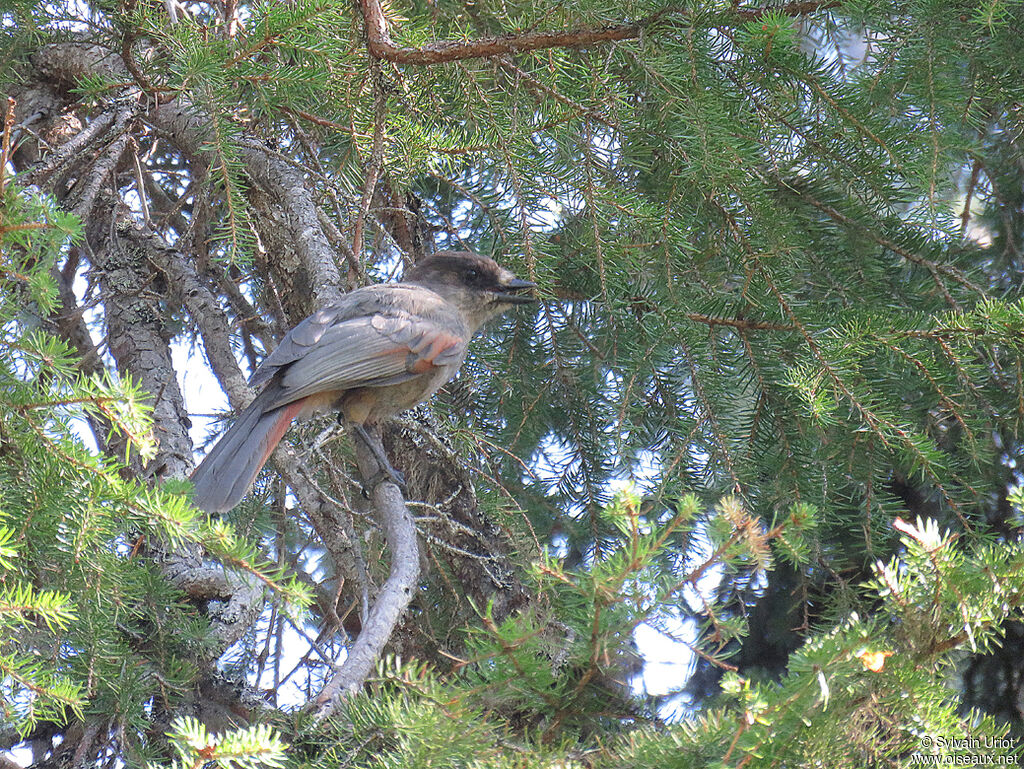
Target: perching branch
(394,596)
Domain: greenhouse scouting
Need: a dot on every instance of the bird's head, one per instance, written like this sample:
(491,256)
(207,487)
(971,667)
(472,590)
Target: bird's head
(475,284)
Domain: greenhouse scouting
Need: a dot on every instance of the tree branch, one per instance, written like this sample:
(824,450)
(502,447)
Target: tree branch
(394,596)
(138,337)
(380,44)
(288,189)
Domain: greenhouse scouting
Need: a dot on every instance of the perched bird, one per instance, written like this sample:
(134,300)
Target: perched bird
(376,352)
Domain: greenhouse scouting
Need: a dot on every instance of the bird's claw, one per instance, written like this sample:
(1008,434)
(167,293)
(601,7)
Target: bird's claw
(385,472)
(385,475)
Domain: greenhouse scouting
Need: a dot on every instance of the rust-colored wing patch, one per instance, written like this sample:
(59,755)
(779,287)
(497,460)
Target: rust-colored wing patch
(434,350)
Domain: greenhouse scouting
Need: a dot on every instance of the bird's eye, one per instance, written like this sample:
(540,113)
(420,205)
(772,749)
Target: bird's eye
(471,276)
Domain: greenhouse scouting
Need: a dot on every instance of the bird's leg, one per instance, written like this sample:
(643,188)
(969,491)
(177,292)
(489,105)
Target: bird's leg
(386,472)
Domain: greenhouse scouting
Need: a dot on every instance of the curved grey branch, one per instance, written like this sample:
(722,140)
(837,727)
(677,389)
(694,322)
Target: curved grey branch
(392,600)
(188,128)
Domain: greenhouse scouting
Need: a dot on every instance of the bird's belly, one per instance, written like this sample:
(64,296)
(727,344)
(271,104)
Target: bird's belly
(372,404)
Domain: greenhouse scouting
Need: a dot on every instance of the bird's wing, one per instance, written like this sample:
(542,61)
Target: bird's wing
(367,351)
(299,340)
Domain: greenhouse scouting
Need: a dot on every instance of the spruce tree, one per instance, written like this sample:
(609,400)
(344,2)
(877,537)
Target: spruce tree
(767,407)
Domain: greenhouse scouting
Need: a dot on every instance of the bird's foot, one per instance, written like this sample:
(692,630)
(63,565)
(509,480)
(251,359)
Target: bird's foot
(385,472)
(385,475)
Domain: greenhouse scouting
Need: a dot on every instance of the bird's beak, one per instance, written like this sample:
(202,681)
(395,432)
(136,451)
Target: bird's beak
(510,291)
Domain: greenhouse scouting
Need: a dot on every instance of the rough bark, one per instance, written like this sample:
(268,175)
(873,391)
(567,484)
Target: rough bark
(137,336)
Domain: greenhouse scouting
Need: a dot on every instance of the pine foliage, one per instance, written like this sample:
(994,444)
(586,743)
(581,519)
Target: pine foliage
(870,691)
(77,604)
(769,406)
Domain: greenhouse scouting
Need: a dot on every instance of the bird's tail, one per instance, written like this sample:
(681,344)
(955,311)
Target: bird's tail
(227,472)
